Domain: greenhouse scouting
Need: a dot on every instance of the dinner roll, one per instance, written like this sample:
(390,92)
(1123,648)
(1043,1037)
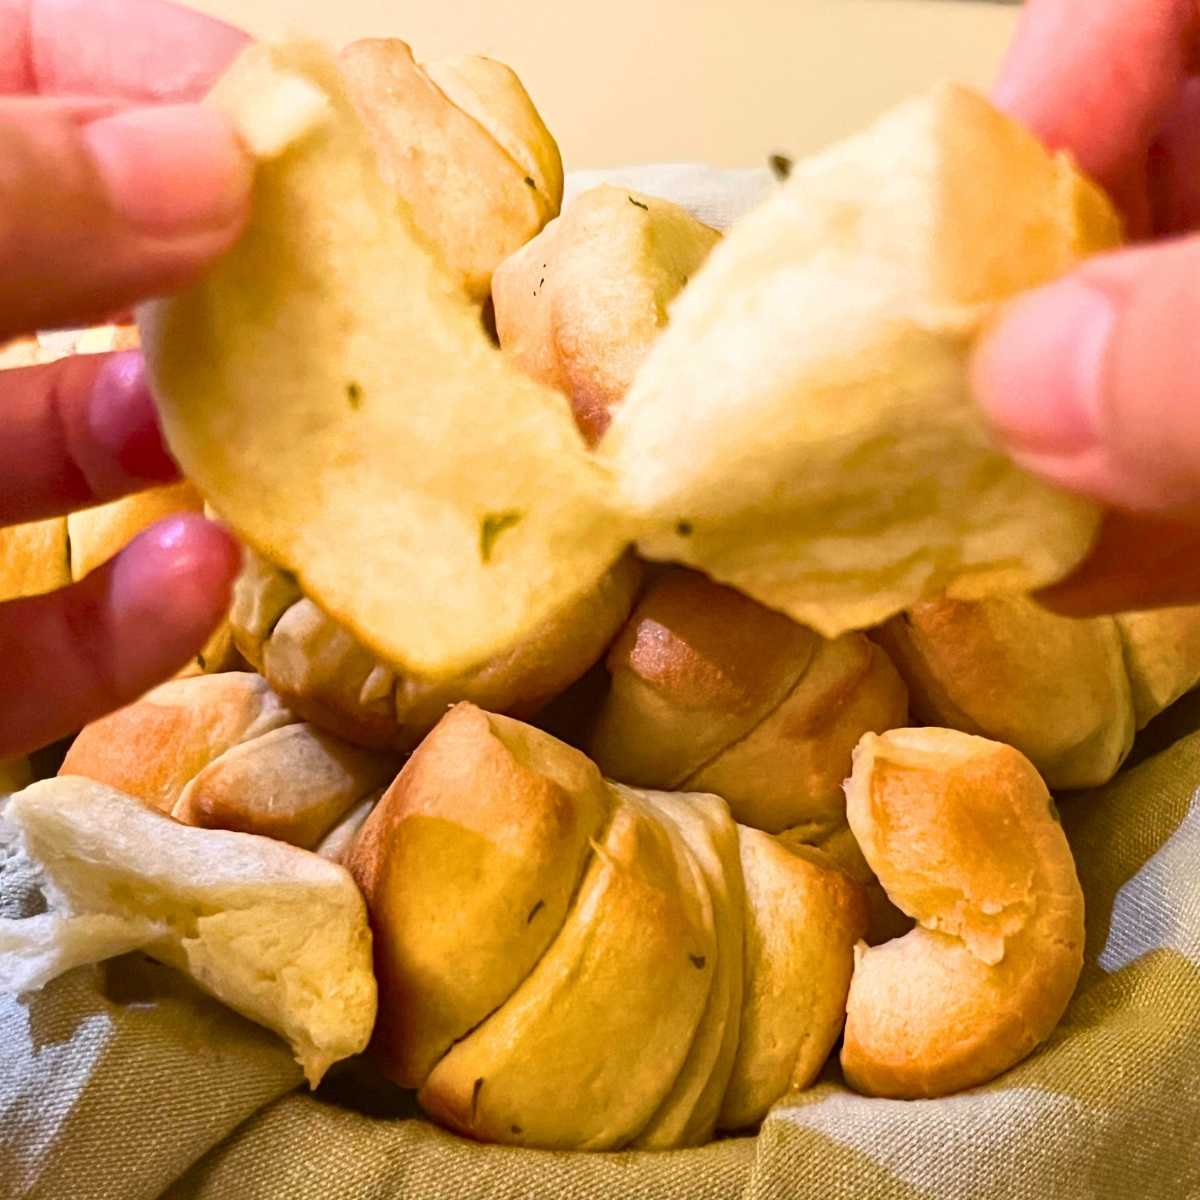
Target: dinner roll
(540,933)
(223,752)
(462,143)
(324,673)
(713,692)
(1162,656)
(962,833)
(1007,669)
(580,305)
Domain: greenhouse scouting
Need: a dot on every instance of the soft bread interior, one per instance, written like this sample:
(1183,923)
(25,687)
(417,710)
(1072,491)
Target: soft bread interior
(278,934)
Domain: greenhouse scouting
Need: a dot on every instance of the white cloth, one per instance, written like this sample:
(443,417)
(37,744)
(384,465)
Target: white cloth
(717,196)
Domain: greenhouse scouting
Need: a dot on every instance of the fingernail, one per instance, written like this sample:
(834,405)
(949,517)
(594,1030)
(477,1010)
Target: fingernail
(124,421)
(1039,375)
(173,170)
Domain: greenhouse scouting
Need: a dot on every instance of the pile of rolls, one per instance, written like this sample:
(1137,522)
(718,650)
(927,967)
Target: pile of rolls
(761,843)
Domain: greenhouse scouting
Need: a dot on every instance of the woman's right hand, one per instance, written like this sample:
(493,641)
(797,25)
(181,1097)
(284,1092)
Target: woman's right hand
(1093,382)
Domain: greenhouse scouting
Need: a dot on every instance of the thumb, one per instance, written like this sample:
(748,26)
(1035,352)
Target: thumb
(1093,382)
(100,210)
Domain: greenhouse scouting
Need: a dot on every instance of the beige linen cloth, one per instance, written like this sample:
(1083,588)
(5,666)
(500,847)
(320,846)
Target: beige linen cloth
(122,1082)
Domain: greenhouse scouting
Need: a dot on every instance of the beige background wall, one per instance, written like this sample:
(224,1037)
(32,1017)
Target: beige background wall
(721,81)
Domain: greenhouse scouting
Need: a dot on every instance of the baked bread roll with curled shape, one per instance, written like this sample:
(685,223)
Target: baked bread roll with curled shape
(580,305)
(963,835)
(330,678)
(1067,693)
(713,692)
(224,752)
(568,963)
(1010,670)
(464,145)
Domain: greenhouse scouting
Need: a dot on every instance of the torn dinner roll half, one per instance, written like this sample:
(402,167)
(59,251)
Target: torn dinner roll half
(803,429)
(276,933)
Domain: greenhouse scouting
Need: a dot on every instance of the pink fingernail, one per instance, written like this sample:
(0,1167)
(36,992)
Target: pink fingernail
(172,170)
(1039,375)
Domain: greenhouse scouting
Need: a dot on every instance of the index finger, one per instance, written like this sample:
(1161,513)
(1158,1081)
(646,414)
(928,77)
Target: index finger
(142,50)
(1099,78)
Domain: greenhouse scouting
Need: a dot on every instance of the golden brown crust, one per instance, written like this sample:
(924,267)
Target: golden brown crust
(962,834)
(490,92)
(590,1043)
(580,306)
(787,773)
(696,667)
(1162,656)
(467,193)
(43,556)
(331,679)
(713,692)
(688,1114)
(153,748)
(34,558)
(803,917)
(293,784)
(1053,687)
(468,864)
(96,534)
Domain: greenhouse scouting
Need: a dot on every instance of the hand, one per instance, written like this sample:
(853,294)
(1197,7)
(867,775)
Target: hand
(1094,382)
(114,186)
